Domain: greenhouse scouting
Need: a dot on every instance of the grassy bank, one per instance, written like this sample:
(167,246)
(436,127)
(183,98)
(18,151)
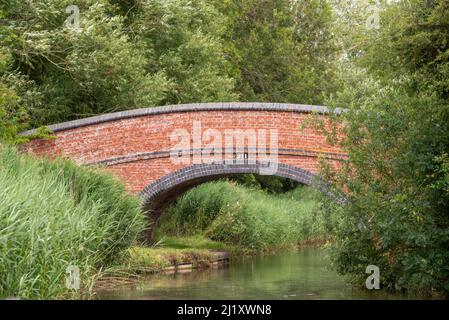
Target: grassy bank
(173,251)
(55,214)
(196,251)
(247,218)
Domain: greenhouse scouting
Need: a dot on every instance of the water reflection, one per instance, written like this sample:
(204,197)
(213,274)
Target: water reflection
(293,275)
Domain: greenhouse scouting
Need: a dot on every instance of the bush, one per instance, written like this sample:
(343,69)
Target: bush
(54,214)
(396,180)
(396,177)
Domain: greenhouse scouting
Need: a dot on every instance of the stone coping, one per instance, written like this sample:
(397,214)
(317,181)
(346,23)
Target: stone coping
(191,107)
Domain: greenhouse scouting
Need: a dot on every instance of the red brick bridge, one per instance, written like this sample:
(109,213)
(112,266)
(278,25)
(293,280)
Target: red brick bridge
(161,152)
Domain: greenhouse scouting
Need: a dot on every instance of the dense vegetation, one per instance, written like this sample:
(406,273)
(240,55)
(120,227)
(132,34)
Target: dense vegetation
(131,54)
(398,141)
(248,218)
(392,74)
(55,214)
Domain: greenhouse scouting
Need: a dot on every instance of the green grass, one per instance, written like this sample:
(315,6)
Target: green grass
(54,214)
(250,219)
(196,250)
(194,242)
(175,250)
(145,259)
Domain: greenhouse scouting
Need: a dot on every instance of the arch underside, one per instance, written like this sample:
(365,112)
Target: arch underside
(159,194)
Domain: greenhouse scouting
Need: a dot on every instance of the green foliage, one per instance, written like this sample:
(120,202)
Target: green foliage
(248,218)
(396,180)
(17,97)
(140,53)
(182,39)
(272,184)
(81,72)
(54,214)
(397,140)
(281,50)
(412,43)
(131,54)
(11,114)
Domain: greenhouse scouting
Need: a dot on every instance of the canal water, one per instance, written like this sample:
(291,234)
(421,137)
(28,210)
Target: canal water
(303,274)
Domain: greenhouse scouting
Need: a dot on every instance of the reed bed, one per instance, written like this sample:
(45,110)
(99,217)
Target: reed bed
(253,219)
(56,214)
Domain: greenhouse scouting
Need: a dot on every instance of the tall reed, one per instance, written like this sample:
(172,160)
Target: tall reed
(253,219)
(55,214)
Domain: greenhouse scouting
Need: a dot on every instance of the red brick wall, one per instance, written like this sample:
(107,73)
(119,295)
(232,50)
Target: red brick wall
(110,140)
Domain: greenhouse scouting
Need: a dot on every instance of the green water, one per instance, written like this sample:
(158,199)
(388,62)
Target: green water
(294,275)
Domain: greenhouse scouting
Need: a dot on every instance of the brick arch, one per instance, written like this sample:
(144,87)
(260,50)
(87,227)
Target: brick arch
(158,194)
(135,145)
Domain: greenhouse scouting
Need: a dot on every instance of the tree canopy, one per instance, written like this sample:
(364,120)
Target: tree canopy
(131,54)
(386,61)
